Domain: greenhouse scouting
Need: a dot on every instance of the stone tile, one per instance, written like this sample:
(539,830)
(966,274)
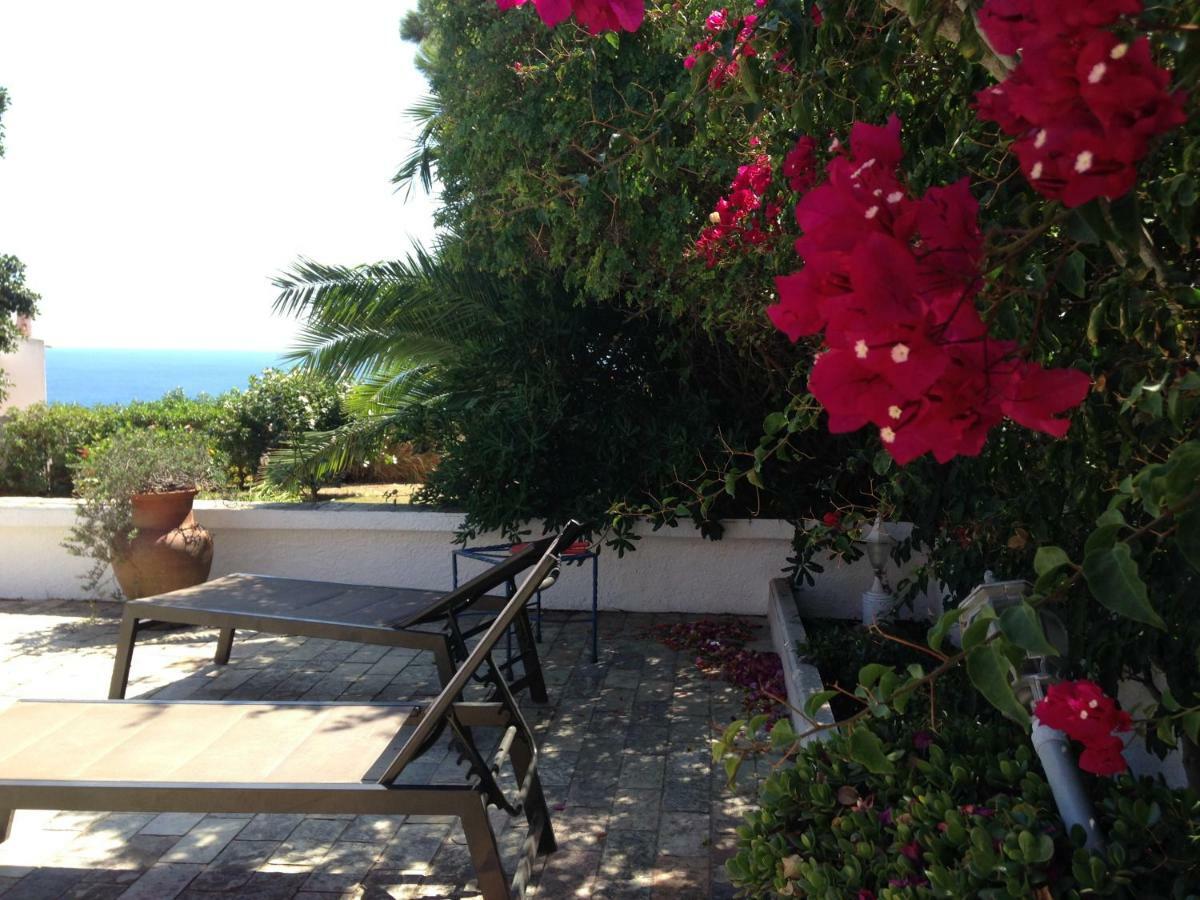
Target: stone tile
(683,834)
(207,839)
(307,844)
(640,771)
(162,882)
(173,823)
(677,877)
(270,827)
(234,865)
(343,867)
(635,810)
(49,881)
(92,891)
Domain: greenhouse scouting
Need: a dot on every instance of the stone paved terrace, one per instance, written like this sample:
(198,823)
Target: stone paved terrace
(639,810)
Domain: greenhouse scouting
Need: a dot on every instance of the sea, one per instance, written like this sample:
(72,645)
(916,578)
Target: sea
(88,377)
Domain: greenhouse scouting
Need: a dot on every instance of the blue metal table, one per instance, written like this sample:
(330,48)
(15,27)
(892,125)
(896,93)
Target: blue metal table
(497,553)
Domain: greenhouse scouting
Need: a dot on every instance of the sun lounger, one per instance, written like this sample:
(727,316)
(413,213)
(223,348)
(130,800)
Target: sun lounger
(289,757)
(393,617)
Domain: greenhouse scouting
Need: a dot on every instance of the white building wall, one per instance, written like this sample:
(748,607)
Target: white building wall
(25,371)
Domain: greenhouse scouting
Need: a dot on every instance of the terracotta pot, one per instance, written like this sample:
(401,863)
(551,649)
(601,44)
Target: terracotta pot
(169,551)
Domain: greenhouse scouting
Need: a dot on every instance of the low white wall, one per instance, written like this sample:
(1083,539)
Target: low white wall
(25,371)
(672,570)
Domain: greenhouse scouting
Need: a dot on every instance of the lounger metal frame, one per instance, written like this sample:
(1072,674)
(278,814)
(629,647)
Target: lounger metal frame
(382,795)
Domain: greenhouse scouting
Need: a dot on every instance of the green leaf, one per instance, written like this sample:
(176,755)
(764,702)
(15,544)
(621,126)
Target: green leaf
(871,673)
(613,39)
(815,701)
(754,478)
(1191,725)
(1187,536)
(1071,275)
(937,633)
(1050,558)
(989,670)
(1112,575)
(867,750)
(1022,625)
(976,633)
(774,423)
(731,480)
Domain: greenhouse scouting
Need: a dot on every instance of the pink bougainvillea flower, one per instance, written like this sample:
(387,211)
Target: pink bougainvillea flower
(1081,710)
(1103,756)
(891,280)
(800,164)
(1082,103)
(1038,397)
(594,15)
(1124,89)
(717,20)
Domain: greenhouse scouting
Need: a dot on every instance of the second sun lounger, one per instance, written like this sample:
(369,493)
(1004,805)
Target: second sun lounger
(394,617)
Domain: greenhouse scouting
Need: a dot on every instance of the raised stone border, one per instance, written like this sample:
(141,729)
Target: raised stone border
(802,679)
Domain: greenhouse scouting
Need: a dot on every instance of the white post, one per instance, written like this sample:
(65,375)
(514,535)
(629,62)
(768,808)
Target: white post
(1054,750)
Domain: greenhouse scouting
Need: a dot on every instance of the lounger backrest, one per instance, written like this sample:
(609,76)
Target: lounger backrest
(437,712)
(496,576)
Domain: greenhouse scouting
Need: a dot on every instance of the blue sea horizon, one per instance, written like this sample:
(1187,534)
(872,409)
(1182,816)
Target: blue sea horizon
(93,376)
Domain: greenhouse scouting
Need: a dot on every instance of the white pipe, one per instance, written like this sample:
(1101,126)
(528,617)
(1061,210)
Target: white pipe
(1054,750)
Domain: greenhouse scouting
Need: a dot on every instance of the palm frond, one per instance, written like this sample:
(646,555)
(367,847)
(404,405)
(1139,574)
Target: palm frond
(421,164)
(320,455)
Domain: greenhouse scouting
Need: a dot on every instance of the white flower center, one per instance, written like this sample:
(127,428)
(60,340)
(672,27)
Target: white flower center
(861,349)
(1097,73)
(1083,161)
(1040,140)
(714,217)
(900,353)
(895,196)
(1092,704)
(895,412)
(872,212)
(1036,172)
(888,436)
(1118,51)
(1083,714)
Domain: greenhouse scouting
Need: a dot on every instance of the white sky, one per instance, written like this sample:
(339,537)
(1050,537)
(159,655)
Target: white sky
(164,160)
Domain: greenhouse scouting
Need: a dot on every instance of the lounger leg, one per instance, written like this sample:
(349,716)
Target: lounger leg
(6,820)
(444,663)
(224,646)
(529,658)
(481,841)
(125,640)
(537,812)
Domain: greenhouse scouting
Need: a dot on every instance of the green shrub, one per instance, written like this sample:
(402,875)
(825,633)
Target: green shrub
(965,814)
(275,407)
(38,444)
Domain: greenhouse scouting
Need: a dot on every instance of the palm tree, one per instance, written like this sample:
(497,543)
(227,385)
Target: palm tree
(391,328)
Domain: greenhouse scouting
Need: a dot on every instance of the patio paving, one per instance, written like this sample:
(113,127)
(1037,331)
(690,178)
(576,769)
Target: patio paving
(638,807)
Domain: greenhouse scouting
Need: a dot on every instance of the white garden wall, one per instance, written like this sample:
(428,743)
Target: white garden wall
(673,569)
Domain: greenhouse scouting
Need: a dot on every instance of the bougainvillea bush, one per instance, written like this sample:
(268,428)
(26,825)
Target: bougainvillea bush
(944,253)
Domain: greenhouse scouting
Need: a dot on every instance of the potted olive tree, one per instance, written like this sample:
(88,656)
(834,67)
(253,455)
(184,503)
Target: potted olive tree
(135,511)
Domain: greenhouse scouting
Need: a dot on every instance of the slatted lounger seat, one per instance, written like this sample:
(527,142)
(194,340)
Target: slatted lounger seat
(395,617)
(288,757)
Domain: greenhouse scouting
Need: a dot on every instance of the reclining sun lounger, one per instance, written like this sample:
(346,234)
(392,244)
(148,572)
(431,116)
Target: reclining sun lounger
(289,757)
(395,617)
